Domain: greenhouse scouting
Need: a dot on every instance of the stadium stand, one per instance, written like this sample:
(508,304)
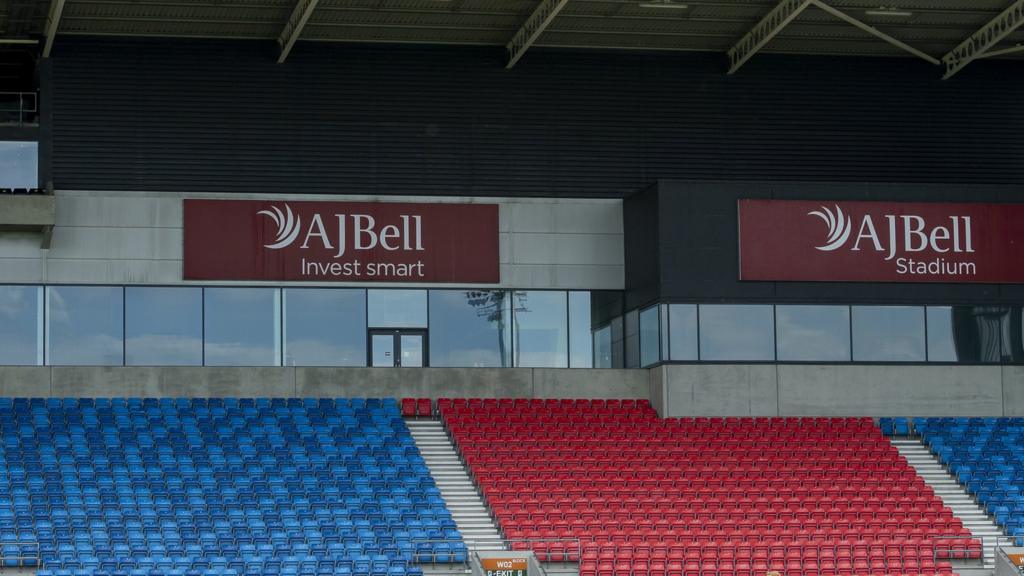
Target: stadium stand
(188,487)
(622,491)
(985,455)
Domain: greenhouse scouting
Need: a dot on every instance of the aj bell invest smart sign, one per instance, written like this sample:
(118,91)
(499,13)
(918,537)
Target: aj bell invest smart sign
(341,241)
(881,241)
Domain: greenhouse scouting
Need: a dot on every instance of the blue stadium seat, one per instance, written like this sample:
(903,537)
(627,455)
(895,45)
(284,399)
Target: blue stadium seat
(232,486)
(987,456)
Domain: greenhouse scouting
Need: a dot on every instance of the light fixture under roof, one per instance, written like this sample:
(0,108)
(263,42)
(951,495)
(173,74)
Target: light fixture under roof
(664,4)
(889,12)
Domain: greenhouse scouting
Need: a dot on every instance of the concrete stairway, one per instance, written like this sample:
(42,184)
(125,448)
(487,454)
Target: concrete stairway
(953,495)
(460,495)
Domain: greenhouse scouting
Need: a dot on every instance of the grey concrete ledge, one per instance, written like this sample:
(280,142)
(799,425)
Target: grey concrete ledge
(209,381)
(837,390)
(21,212)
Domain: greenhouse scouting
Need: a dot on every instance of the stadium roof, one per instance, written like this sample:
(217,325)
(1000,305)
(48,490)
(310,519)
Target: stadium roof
(947,32)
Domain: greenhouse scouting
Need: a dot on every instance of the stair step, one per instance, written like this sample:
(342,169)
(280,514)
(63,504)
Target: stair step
(464,501)
(956,498)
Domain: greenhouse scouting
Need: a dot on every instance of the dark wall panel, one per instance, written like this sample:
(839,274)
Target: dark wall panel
(641,246)
(203,115)
(700,244)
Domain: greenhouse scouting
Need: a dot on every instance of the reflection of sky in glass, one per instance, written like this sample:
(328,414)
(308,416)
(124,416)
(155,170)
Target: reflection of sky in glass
(542,340)
(18,164)
(940,334)
(813,333)
(603,347)
(397,308)
(682,321)
(163,326)
(617,345)
(649,343)
(580,354)
(469,328)
(736,332)
(85,325)
(19,325)
(325,327)
(241,327)
(888,333)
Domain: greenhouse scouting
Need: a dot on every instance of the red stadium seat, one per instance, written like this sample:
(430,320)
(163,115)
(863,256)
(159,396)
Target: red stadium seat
(703,496)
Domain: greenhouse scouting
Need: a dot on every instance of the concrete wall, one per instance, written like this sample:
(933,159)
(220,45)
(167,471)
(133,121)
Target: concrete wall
(136,238)
(837,390)
(98,381)
(675,390)
(27,211)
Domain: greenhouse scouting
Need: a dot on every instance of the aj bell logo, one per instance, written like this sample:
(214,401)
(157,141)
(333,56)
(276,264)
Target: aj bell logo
(361,232)
(906,233)
(838,227)
(404,234)
(287,226)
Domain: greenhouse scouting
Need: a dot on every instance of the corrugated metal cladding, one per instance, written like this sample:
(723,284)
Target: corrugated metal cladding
(190,115)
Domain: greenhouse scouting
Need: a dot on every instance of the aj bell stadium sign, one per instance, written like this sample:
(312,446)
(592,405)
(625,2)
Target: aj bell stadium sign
(881,241)
(340,241)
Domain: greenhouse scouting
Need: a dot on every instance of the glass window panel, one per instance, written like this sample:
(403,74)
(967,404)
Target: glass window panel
(242,327)
(663,311)
(966,333)
(813,333)
(163,326)
(888,334)
(632,339)
(541,329)
(1013,336)
(396,308)
(324,327)
(744,332)
(682,338)
(383,350)
(650,346)
(581,355)
(21,329)
(618,342)
(412,350)
(19,164)
(603,347)
(85,325)
(470,328)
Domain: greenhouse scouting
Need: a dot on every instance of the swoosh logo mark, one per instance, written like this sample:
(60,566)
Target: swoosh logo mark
(287,226)
(839,227)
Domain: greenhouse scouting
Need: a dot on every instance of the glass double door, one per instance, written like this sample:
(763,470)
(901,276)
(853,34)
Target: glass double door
(398,348)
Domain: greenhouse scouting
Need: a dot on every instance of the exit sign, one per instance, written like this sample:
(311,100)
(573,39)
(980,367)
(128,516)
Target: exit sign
(504,566)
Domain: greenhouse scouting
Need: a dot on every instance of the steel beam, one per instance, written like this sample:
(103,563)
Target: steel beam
(874,31)
(762,32)
(293,27)
(977,44)
(532,28)
(52,24)
(1003,51)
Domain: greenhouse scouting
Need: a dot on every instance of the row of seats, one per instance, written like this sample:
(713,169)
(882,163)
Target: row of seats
(985,454)
(413,407)
(723,496)
(218,486)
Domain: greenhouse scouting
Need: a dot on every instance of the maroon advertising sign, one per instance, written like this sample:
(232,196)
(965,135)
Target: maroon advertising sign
(341,241)
(881,241)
